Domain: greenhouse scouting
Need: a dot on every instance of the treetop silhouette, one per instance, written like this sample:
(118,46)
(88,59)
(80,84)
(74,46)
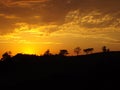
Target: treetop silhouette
(47,53)
(105,49)
(88,50)
(63,52)
(77,50)
(6,56)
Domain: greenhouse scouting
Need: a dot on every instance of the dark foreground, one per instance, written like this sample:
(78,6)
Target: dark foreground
(98,71)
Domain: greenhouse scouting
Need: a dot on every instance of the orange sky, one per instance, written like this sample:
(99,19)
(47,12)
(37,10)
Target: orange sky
(33,26)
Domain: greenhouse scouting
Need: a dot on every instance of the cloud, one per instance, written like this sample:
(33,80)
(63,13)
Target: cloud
(8,16)
(111,41)
(93,19)
(21,3)
(79,18)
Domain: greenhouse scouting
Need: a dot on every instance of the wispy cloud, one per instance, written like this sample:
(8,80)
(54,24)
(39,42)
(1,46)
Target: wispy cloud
(21,3)
(9,16)
(92,19)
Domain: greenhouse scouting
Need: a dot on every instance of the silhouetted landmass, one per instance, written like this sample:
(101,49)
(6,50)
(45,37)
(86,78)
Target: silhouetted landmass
(96,71)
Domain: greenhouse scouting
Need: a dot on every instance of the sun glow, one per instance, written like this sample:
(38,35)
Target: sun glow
(28,50)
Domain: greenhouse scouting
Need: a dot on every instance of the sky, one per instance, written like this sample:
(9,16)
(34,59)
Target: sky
(33,26)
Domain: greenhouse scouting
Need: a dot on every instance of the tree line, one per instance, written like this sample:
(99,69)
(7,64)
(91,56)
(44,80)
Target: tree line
(63,52)
(77,51)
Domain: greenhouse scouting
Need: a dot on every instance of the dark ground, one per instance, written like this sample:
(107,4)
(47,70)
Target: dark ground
(99,71)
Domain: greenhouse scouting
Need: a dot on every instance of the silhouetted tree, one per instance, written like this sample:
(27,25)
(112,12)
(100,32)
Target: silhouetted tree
(6,56)
(77,50)
(47,53)
(88,50)
(63,52)
(104,49)
(108,50)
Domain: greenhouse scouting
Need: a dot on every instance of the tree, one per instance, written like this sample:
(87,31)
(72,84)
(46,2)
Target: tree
(104,49)
(63,52)
(108,50)
(88,50)
(47,53)
(6,56)
(77,50)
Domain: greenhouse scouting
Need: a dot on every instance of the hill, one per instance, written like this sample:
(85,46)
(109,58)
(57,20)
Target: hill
(93,71)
